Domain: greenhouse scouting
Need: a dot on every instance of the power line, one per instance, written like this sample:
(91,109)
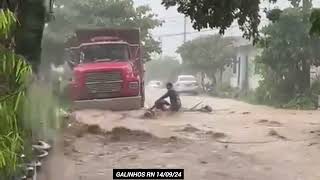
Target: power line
(183,33)
(198,32)
(193,32)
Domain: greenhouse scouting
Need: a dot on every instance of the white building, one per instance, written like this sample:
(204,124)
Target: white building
(243,68)
(315,73)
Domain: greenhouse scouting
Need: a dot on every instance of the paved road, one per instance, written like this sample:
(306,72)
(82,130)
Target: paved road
(236,141)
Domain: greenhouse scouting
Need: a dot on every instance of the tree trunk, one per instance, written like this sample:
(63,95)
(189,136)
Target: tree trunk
(29,35)
(305,76)
(221,75)
(203,85)
(214,79)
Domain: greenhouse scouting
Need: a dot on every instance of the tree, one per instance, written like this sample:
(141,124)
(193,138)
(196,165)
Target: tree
(32,15)
(208,54)
(315,20)
(287,55)
(165,69)
(222,13)
(73,14)
(14,73)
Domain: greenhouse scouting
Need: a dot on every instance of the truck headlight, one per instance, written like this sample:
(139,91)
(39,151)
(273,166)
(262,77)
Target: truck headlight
(134,85)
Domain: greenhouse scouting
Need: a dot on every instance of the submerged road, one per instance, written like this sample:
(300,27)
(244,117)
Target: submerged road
(236,141)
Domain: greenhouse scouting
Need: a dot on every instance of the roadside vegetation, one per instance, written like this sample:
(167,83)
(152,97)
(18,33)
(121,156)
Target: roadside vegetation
(287,55)
(73,14)
(164,69)
(28,107)
(208,54)
(14,73)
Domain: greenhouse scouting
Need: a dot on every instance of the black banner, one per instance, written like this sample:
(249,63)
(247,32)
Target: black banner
(148,174)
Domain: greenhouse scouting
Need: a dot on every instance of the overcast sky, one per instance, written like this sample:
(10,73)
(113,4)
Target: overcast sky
(174,24)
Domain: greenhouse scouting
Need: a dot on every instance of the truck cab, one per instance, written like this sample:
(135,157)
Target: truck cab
(107,70)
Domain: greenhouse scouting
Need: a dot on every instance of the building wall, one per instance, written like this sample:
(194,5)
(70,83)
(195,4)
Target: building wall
(245,66)
(314,73)
(226,76)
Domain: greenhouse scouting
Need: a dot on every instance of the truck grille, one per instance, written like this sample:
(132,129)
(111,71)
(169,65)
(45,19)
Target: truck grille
(103,77)
(104,85)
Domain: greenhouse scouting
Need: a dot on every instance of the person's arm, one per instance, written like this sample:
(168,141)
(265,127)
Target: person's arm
(164,96)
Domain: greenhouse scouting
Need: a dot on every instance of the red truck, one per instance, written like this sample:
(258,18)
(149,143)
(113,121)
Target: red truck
(108,71)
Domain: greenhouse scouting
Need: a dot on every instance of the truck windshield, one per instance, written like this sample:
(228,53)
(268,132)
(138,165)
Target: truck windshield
(105,52)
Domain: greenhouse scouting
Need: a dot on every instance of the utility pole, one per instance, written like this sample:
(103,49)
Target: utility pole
(185,30)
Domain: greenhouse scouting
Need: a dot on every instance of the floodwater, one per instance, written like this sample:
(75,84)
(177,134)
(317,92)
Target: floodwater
(236,141)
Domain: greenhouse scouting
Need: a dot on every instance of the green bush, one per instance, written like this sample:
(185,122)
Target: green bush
(302,103)
(15,72)
(315,87)
(225,91)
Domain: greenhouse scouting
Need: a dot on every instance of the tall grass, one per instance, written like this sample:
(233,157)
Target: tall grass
(7,23)
(28,108)
(14,73)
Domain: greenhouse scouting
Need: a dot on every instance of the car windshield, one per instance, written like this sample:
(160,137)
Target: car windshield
(155,82)
(105,52)
(187,79)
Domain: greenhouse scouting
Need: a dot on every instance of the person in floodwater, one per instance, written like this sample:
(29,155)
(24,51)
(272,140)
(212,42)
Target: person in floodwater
(175,103)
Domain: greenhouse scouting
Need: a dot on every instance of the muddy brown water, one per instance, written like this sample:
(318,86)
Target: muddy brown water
(222,145)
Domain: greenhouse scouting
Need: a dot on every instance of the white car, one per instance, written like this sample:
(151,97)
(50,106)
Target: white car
(155,84)
(187,84)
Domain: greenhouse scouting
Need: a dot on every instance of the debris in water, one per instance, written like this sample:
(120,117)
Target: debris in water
(269,123)
(275,123)
(263,121)
(124,134)
(203,162)
(195,106)
(41,145)
(216,135)
(149,114)
(40,153)
(274,133)
(314,143)
(207,109)
(94,129)
(189,128)
(173,138)
(134,157)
